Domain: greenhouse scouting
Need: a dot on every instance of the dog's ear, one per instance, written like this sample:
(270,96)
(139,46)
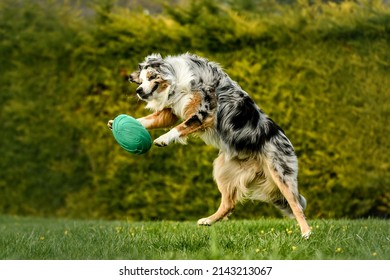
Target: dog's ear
(152,57)
(134,77)
(154,61)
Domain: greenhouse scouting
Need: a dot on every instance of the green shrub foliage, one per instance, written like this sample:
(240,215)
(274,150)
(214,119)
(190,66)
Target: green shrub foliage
(321,71)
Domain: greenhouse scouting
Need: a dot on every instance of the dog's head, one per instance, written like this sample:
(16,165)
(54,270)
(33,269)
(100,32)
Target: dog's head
(153,85)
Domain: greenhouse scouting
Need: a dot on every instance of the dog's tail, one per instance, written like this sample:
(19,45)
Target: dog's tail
(282,205)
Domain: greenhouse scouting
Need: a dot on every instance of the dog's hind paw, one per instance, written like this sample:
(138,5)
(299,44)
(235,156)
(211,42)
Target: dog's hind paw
(306,235)
(205,222)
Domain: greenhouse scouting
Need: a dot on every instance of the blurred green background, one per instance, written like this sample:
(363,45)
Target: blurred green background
(320,69)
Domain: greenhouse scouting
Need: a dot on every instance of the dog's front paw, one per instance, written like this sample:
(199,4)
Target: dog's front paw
(167,138)
(109,124)
(161,142)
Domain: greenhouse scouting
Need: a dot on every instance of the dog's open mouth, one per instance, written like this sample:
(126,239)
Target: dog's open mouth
(144,95)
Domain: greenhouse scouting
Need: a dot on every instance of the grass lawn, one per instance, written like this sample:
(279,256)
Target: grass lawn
(25,238)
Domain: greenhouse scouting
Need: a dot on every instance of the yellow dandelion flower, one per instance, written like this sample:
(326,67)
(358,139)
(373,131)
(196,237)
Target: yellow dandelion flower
(294,248)
(257,250)
(262,232)
(66,232)
(339,250)
(42,238)
(374,254)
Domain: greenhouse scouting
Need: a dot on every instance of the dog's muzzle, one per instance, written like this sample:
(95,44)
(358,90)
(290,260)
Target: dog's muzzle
(141,93)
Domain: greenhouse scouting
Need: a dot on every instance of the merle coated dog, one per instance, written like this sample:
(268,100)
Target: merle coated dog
(256,160)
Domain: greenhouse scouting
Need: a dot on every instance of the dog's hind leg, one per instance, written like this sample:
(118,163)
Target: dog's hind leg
(222,177)
(282,204)
(289,190)
(225,208)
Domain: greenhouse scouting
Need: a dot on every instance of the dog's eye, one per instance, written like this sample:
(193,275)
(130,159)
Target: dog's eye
(152,77)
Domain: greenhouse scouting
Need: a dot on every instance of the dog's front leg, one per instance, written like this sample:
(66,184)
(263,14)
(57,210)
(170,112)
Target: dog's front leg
(161,119)
(179,133)
(167,138)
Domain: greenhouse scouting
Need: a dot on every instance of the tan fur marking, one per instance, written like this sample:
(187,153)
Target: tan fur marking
(193,106)
(148,75)
(163,85)
(134,77)
(191,110)
(186,130)
(162,119)
(208,122)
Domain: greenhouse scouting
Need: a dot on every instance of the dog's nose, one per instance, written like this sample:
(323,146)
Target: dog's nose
(139,91)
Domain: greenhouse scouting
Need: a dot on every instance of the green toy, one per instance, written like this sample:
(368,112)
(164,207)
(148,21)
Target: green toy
(131,135)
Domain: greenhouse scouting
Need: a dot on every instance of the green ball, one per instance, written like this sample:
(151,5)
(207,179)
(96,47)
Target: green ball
(131,135)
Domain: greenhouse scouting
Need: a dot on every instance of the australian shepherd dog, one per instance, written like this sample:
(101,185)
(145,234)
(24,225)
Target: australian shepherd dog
(256,160)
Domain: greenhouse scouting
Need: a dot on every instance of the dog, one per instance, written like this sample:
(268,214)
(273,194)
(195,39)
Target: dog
(256,160)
